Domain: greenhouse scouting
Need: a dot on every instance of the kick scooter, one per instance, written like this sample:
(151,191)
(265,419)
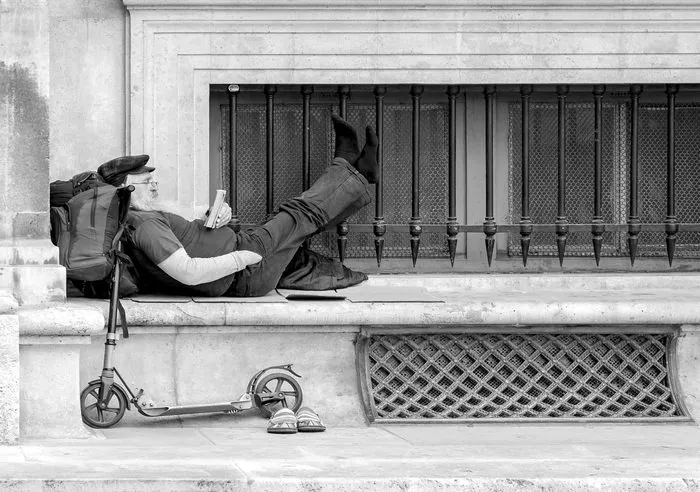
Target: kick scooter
(103,401)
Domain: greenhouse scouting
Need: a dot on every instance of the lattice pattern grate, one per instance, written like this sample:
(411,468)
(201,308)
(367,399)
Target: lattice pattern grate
(476,376)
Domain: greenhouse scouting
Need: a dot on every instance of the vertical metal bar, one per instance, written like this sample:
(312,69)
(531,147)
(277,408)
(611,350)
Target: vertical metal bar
(562,223)
(489,222)
(597,229)
(671,220)
(525,221)
(342,229)
(379,222)
(233,91)
(633,222)
(451,224)
(306,91)
(415,222)
(270,91)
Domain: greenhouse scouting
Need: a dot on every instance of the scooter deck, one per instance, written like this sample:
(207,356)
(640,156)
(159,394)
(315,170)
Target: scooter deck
(189,409)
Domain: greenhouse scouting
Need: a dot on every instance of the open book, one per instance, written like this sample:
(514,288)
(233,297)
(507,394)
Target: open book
(210,223)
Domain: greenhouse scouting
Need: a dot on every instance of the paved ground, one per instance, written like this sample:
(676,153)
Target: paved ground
(213,454)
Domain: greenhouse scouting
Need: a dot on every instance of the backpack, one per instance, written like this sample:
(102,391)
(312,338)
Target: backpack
(62,191)
(87,231)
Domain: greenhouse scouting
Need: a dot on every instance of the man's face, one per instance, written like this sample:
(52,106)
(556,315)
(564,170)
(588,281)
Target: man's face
(145,192)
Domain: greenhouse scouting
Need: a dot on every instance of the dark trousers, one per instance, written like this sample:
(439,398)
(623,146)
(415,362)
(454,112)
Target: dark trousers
(336,195)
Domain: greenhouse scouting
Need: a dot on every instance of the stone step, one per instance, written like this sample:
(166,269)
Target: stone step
(237,454)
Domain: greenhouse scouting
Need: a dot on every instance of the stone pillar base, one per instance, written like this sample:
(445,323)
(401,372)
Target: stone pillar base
(49,361)
(9,382)
(50,387)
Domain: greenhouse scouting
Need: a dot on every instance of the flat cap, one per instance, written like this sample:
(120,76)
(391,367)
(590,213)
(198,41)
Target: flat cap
(115,171)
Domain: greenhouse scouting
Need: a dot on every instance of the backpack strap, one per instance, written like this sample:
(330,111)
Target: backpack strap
(122,319)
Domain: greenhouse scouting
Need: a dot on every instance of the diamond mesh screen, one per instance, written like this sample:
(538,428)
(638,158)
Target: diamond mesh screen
(615,193)
(397,168)
(579,175)
(652,176)
(475,376)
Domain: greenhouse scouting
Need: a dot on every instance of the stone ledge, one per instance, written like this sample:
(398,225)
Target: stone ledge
(8,304)
(60,320)
(510,300)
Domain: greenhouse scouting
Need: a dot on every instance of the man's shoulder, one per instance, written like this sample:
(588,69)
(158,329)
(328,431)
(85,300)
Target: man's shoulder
(135,218)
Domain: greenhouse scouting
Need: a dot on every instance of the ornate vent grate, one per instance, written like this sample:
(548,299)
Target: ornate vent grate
(506,376)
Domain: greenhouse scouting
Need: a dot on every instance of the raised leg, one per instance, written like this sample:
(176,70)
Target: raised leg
(337,194)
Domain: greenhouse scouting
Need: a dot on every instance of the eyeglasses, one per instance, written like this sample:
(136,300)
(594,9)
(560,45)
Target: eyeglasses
(151,184)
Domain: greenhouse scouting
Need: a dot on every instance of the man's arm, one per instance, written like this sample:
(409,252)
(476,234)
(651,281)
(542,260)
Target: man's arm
(157,241)
(194,271)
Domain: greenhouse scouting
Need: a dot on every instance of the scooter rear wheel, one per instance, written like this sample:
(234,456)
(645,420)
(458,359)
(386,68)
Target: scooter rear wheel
(272,385)
(102,418)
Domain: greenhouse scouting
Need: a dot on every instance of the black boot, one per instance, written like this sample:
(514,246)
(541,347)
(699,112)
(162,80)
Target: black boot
(367,163)
(345,140)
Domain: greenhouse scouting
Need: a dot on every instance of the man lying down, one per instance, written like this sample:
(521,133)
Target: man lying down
(175,256)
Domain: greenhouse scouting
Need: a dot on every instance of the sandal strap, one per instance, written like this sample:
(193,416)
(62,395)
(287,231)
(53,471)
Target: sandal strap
(283,416)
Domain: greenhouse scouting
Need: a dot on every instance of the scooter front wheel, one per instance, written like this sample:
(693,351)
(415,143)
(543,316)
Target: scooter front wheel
(102,418)
(277,388)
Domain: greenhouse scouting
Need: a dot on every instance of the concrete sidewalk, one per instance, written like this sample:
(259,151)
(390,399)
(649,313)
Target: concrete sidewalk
(236,453)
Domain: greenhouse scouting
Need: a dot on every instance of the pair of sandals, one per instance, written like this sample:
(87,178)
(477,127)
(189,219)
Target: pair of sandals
(285,421)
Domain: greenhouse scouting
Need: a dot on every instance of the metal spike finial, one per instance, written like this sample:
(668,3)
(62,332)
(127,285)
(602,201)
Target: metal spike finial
(490,242)
(525,245)
(452,247)
(632,246)
(415,245)
(452,231)
(597,246)
(342,230)
(633,230)
(670,249)
(562,230)
(379,250)
(561,249)
(490,230)
(525,232)
(415,230)
(379,232)
(671,236)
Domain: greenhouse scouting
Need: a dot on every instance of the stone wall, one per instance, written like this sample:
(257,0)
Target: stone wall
(34,46)
(87,110)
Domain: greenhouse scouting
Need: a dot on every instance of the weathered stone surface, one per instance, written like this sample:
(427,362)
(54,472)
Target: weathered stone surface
(50,367)
(39,284)
(445,458)
(9,381)
(60,319)
(88,110)
(23,251)
(474,300)
(8,304)
(49,392)
(688,353)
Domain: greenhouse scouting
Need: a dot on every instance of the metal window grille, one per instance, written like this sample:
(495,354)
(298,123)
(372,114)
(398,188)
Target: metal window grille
(397,165)
(512,375)
(615,206)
